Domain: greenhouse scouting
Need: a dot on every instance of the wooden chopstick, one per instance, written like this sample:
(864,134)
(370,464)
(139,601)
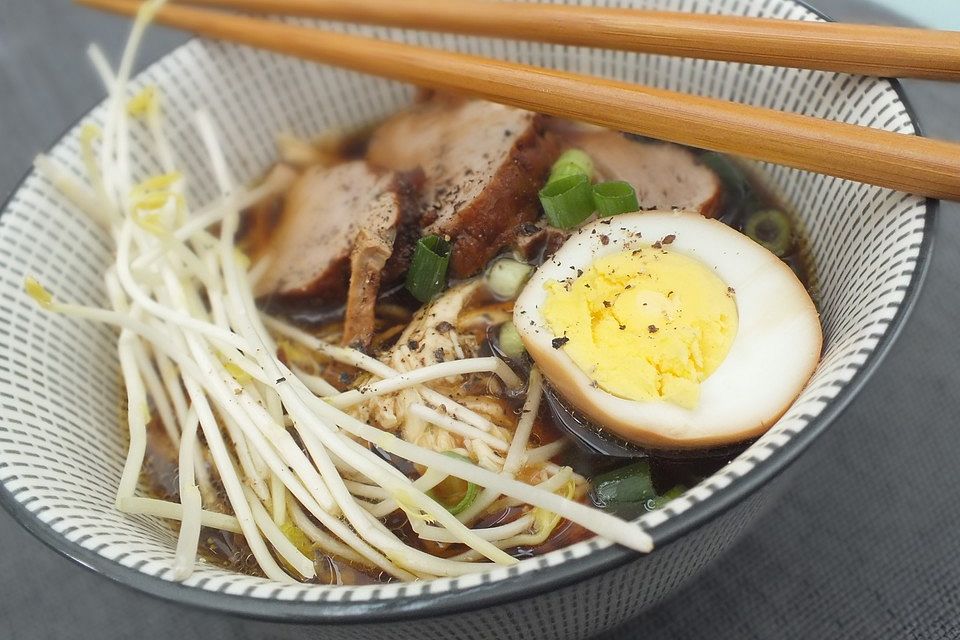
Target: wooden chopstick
(829,46)
(908,163)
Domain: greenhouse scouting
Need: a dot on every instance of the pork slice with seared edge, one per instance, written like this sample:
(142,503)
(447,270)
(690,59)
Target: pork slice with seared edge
(344,230)
(664,175)
(483,164)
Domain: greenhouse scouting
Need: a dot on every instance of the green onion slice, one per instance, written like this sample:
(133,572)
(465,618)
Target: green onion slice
(613,198)
(510,342)
(571,162)
(567,201)
(468,497)
(629,491)
(428,271)
(661,501)
(505,278)
(632,483)
(565,171)
(772,229)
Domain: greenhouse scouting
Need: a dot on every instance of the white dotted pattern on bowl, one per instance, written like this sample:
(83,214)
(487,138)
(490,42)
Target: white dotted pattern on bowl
(61,440)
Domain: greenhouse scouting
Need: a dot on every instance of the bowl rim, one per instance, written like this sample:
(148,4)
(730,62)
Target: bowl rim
(515,588)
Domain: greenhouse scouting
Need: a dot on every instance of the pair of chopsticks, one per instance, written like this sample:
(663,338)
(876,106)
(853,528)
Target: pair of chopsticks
(907,163)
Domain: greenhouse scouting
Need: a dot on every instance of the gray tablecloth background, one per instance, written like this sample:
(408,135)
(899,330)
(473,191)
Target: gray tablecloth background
(865,544)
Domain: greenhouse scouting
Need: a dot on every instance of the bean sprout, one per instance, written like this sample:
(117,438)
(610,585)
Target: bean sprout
(197,355)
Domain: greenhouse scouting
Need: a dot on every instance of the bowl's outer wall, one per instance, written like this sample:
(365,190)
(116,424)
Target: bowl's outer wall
(578,610)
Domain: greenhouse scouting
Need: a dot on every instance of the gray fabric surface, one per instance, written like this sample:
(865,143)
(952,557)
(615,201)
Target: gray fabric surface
(863,545)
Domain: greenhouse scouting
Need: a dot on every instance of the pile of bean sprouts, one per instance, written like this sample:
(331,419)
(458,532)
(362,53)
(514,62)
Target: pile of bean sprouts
(195,351)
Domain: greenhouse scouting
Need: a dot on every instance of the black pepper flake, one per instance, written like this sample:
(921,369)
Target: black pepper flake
(439,355)
(579,272)
(652,328)
(607,304)
(279,380)
(629,286)
(559,342)
(444,327)
(623,327)
(604,240)
(669,239)
(357,345)
(731,291)
(586,286)
(607,221)
(528,229)
(413,345)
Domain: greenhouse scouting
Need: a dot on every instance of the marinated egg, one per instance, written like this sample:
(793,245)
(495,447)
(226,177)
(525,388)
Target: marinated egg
(670,330)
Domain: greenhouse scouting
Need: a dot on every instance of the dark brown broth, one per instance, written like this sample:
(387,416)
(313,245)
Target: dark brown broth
(161,472)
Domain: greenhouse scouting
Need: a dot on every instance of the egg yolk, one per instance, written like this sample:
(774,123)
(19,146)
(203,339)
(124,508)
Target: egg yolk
(644,325)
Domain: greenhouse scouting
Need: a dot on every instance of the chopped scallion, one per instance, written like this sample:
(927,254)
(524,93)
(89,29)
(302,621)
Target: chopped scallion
(772,229)
(626,484)
(661,501)
(613,198)
(565,171)
(428,270)
(571,162)
(469,496)
(567,201)
(629,491)
(510,343)
(506,277)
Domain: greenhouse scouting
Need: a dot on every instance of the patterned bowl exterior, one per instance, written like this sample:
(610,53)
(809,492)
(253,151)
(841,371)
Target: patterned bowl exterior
(62,445)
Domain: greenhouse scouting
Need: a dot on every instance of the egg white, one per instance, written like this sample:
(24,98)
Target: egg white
(774,353)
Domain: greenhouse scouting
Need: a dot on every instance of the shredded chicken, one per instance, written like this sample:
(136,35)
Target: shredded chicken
(429,338)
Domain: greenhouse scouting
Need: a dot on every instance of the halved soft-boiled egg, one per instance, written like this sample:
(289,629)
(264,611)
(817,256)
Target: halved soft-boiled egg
(670,330)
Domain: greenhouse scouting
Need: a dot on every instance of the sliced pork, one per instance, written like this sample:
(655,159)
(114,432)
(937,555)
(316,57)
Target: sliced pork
(483,165)
(665,175)
(259,221)
(323,215)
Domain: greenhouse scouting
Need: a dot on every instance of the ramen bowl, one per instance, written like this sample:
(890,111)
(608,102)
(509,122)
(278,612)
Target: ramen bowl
(62,443)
